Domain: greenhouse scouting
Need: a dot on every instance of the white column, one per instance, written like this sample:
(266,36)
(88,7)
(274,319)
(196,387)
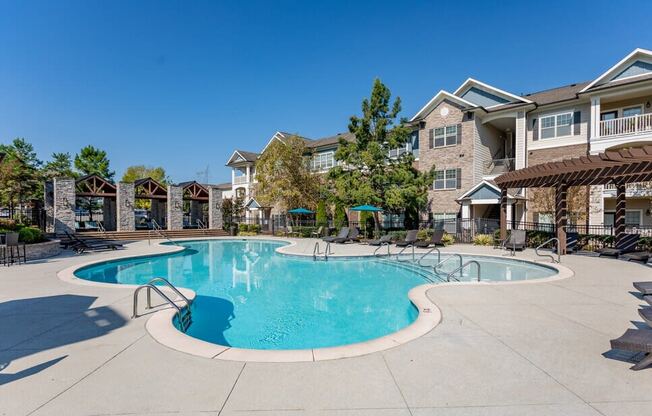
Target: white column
(596,205)
(520,137)
(510,206)
(466,210)
(248,173)
(595,118)
(232,176)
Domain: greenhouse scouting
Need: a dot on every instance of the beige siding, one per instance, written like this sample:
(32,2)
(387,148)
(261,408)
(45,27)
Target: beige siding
(488,142)
(585,109)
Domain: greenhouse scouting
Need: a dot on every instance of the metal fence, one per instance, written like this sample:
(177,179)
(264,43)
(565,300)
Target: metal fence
(34,217)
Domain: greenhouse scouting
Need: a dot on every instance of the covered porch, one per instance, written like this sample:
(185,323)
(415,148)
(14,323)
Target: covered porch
(617,167)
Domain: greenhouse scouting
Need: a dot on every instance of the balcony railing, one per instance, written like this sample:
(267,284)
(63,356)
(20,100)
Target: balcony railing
(499,166)
(239,180)
(626,125)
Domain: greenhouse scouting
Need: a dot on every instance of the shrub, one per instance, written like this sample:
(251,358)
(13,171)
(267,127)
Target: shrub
(246,233)
(397,235)
(339,218)
(424,234)
(255,228)
(321,216)
(306,231)
(483,240)
(8,224)
(30,235)
(448,239)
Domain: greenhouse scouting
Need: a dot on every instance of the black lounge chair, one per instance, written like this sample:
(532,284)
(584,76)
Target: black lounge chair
(353,235)
(644,287)
(627,244)
(648,299)
(435,240)
(344,232)
(642,256)
(571,242)
(410,239)
(81,245)
(646,315)
(636,340)
(515,241)
(382,241)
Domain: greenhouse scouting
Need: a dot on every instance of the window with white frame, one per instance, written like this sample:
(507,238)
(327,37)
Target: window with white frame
(445,179)
(445,136)
(557,125)
(323,161)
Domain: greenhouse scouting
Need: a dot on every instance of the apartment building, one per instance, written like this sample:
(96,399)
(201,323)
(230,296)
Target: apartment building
(479,131)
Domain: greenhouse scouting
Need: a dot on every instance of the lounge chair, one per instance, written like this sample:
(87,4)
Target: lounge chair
(646,314)
(515,241)
(317,232)
(571,242)
(344,232)
(435,240)
(642,256)
(648,299)
(627,244)
(289,232)
(81,245)
(644,287)
(636,340)
(410,239)
(353,235)
(382,241)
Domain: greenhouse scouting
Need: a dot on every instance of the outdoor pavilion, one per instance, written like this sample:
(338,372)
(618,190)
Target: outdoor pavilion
(96,187)
(196,195)
(618,167)
(157,194)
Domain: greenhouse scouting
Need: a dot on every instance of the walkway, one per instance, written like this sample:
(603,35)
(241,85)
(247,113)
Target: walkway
(533,349)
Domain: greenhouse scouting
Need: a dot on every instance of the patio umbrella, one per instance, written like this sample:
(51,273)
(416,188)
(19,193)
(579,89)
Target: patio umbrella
(300,211)
(368,208)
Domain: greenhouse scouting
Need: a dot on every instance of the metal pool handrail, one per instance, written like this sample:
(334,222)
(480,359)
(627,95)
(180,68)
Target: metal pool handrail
(536,250)
(168,284)
(461,268)
(316,250)
(430,251)
(381,246)
(398,255)
(436,267)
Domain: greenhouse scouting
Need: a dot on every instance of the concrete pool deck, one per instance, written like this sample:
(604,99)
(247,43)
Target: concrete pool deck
(70,349)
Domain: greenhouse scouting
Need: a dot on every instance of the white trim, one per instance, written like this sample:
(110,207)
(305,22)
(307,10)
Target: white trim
(636,52)
(440,96)
(478,186)
(470,82)
(537,145)
(277,136)
(244,159)
(640,216)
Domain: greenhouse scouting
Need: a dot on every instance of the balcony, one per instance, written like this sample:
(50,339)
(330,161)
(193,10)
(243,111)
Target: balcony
(637,189)
(638,124)
(497,167)
(240,180)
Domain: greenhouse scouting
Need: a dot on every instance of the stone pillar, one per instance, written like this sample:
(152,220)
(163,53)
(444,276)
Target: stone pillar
(48,194)
(619,221)
(214,208)
(64,205)
(561,215)
(109,214)
(175,208)
(125,200)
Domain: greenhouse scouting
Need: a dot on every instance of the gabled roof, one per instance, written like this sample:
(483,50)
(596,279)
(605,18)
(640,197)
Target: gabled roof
(472,84)
(94,186)
(438,98)
(482,184)
(330,140)
(193,190)
(242,156)
(618,71)
(282,136)
(150,188)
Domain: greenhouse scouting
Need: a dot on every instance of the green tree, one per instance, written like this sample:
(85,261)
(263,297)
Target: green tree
(20,178)
(133,173)
(59,166)
(321,215)
(284,177)
(366,173)
(339,216)
(93,161)
(232,210)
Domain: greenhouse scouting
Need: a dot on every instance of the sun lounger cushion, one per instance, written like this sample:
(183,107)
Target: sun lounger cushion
(644,287)
(646,314)
(643,256)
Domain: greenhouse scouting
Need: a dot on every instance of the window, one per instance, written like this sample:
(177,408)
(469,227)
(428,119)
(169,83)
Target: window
(632,217)
(445,179)
(557,125)
(322,162)
(445,136)
(632,111)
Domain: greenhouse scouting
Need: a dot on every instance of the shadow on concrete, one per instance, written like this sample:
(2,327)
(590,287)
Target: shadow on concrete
(30,326)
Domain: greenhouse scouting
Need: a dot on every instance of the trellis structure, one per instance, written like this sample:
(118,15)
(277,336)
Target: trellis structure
(618,167)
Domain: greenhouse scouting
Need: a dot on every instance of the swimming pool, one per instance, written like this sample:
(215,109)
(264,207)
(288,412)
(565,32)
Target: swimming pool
(249,296)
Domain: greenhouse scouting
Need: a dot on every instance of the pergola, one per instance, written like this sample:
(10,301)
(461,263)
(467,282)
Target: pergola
(94,186)
(148,188)
(618,167)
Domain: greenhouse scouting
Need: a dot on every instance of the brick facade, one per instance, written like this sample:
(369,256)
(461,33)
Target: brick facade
(451,157)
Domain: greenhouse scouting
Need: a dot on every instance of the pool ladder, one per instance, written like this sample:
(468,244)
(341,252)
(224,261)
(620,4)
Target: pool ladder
(317,252)
(545,243)
(183,312)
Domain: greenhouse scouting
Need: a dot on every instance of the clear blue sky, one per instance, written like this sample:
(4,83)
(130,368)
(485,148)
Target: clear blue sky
(181,84)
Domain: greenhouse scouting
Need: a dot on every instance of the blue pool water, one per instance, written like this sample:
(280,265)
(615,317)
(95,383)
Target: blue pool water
(249,296)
